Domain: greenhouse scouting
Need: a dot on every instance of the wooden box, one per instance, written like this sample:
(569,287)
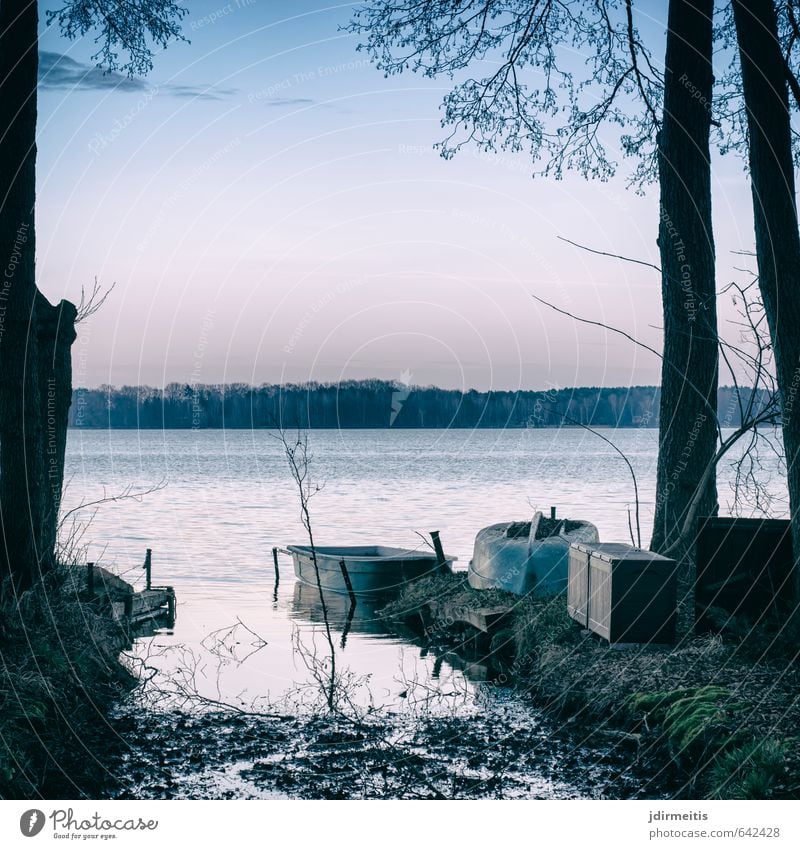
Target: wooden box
(744,568)
(622,593)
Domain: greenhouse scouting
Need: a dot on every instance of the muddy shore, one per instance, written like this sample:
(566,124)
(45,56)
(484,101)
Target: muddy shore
(715,716)
(511,754)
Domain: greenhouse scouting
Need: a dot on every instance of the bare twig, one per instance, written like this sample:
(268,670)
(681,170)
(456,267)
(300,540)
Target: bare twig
(296,451)
(610,254)
(90,303)
(566,418)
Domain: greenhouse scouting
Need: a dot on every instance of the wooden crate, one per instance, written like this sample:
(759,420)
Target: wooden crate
(744,568)
(578,575)
(631,594)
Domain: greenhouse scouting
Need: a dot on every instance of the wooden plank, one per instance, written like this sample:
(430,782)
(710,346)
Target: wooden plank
(483,618)
(146,616)
(578,585)
(148,600)
(600,597)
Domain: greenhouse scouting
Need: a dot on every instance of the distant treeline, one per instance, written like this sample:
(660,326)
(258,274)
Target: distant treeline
(370,404)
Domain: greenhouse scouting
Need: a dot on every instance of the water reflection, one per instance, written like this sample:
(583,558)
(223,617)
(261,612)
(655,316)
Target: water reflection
(345,618)
(468,656)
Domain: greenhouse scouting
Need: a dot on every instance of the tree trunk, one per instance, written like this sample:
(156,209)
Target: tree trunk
(775,218)
(56,333)
(21,458)
(688,421)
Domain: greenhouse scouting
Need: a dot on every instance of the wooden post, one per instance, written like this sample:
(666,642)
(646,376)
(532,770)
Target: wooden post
(171,607)
(90,579)
(277,568)
(349,621)
(347,583)
(552,512)
(277,575)
(441,561)
(148,567)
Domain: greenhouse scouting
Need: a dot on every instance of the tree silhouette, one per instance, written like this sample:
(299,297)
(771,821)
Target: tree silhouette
(35,337)
(536,97)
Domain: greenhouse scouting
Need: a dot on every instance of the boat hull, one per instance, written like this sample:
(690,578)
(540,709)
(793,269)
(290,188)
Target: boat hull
(373,570)
(521,567)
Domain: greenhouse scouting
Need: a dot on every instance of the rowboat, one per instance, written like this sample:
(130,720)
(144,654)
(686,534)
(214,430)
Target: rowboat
(527,557)
(371,569)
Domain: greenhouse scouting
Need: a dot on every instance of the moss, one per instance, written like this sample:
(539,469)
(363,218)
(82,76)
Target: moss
(700,722)
(657,704)
(696,723)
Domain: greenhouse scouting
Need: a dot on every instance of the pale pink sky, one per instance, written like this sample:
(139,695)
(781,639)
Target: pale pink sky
(270,208)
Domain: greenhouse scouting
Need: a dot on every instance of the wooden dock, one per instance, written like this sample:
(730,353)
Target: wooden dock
(484,619)
(138,607)
(130,608)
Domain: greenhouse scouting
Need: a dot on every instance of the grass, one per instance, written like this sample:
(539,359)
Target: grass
(702,727)
(533,624)
(754,770)
(696,722)
(59,671)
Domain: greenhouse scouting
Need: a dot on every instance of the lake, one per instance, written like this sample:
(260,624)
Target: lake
(226,497)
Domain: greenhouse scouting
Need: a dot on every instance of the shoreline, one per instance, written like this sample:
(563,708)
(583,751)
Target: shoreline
(709,718)
(403,428)
(722,714)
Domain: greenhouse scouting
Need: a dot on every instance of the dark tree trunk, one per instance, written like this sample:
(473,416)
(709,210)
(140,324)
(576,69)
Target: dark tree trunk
(21,458)
(775,217)
(56,333)
(689,376)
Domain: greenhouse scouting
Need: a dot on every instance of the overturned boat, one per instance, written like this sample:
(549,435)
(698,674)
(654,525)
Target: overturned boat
(527,557)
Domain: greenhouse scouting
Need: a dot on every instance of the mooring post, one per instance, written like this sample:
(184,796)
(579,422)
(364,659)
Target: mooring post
(171,607)
(346,576)
(148,567)
(552,512)
(349,621)
(441,561)
(277,568)
(90,579)
(277,574)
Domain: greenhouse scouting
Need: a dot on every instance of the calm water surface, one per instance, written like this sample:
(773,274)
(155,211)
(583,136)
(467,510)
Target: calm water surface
(228,498)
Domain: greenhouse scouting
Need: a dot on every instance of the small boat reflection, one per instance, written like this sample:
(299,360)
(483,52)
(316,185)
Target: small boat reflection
(362,619)
(342,615)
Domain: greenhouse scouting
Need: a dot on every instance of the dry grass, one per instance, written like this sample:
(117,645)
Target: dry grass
(59,672)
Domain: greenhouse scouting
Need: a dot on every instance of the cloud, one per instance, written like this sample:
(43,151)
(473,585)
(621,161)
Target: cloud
(58,72)
(288,101)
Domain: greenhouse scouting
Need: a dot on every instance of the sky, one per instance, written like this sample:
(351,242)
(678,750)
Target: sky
(270,208)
